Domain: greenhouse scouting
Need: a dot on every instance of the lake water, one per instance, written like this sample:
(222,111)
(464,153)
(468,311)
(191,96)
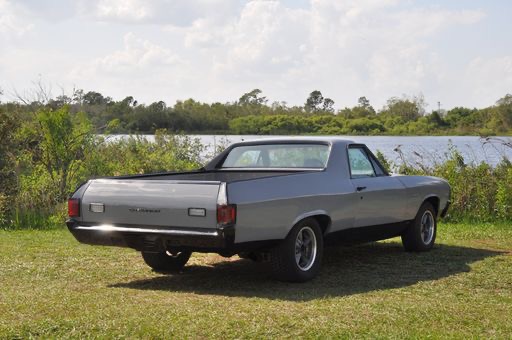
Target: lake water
(424,149)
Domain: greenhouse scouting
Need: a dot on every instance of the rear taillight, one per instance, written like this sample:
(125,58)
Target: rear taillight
(226,214)
(74,207)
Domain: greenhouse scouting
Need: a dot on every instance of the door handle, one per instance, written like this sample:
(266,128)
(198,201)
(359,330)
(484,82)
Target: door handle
(360,188)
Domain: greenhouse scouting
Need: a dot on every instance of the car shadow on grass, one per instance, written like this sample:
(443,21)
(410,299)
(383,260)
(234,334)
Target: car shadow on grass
(345,271)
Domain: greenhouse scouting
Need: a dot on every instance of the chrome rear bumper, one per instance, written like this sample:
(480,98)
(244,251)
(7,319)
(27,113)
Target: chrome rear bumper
(110,228)
(151,238)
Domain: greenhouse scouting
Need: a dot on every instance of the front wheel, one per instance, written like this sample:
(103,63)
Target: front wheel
(167,261)
(298,258)
(421,234)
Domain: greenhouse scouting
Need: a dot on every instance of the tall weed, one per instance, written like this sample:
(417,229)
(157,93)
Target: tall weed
(480,192)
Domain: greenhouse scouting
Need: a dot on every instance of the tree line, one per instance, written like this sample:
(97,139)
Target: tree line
(253,114)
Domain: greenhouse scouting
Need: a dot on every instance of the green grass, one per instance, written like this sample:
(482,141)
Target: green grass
(52,286)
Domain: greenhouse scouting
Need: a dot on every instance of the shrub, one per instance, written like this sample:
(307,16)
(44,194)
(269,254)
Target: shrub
(479,191)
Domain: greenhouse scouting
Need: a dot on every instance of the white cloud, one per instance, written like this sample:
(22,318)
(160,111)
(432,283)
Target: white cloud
(129,10)
(142,68)
(346,49)
(218,49)
(13,19)
(137,54)
(266,35)
(49,10)
(489,78)
(168,12)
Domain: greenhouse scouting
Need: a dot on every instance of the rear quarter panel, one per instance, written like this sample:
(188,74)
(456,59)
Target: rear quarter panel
(268,208)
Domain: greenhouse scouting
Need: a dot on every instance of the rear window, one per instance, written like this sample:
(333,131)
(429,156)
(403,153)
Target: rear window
(278,156)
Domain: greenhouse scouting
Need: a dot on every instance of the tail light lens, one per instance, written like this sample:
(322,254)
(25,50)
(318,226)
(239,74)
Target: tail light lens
(74,207)
(226,214)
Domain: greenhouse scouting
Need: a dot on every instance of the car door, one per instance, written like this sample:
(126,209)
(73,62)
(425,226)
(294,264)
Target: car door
(382,198)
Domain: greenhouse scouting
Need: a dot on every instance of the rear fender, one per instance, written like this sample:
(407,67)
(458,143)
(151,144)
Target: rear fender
(306,215)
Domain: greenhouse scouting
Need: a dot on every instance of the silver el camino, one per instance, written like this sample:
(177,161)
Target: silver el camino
(276,200)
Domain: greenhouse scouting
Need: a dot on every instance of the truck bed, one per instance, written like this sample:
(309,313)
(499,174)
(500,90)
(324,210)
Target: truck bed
(226,176)
(161,200)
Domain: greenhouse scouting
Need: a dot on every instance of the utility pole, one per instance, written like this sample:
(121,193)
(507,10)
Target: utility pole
(439,108)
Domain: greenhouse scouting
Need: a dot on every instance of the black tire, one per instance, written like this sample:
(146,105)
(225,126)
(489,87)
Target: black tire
(166,262)
(421,234)
(285,264)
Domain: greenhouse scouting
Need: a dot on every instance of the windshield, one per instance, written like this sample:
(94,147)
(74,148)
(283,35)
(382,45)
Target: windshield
(278,156)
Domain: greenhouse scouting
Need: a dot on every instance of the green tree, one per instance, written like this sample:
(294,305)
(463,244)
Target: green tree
(252,98)
(504,112)
(64,140)
(364,108)
(436,119)
(8,153)
(95,98)
(328,105)
(458,116)
(314,101)
(364,102)
(407,108)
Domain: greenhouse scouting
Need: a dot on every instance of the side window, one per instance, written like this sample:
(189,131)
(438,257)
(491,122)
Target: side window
(360,164)
(377,167)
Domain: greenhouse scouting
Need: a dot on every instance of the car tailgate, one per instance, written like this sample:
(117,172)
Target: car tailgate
(151,203)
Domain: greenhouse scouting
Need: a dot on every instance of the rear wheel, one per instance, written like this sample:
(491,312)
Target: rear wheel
(421,234)
(298,258)
(166,262)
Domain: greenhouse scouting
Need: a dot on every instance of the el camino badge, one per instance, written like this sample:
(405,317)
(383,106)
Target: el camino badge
(144,210)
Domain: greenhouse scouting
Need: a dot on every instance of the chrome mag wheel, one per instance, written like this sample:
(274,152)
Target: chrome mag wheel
(305,248)
(427,227)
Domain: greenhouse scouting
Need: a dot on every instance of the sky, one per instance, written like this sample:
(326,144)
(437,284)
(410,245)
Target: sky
(458,53)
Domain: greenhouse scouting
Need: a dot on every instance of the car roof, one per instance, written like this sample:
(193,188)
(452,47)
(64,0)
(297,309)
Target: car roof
(298,139)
